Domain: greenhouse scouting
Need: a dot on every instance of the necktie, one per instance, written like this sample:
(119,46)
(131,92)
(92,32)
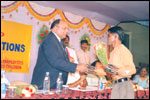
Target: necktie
(65,51)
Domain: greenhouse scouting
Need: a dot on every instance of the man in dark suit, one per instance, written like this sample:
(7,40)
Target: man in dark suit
(52,57)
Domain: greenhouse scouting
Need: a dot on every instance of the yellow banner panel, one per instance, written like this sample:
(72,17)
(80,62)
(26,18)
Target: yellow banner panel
(15,46)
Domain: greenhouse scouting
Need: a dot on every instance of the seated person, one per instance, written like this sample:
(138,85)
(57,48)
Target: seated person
(89,79)
(143,78)
(99,73)
(99,68)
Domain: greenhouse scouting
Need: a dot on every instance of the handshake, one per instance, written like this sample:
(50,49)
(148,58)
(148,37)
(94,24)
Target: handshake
(85,69)
(82,68)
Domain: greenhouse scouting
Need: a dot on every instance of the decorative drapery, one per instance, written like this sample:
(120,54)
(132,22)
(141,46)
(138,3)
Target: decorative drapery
(29,13)
(14,5)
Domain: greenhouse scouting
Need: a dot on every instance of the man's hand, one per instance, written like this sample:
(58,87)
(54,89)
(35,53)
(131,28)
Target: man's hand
(82,68)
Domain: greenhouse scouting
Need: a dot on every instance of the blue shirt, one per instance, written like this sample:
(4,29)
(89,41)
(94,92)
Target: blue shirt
(141,83)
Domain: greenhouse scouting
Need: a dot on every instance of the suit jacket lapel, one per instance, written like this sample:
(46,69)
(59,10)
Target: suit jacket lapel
(59,45)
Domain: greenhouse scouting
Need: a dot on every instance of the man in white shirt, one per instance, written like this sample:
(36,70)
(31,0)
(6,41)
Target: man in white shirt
(83,54)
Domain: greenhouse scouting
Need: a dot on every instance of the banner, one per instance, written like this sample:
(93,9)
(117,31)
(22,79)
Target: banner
(15,46)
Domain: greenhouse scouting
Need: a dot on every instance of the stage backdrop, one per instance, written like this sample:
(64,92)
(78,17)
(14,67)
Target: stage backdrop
(40,17)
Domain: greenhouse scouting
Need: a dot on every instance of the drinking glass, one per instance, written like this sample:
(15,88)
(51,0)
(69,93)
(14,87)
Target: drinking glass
(11,91)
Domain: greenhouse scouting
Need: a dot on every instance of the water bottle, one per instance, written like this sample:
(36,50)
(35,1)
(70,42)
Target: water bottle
(100,84)
(46,84)
(59,85)
(4,83)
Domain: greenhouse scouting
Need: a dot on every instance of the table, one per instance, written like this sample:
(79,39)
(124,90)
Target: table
(73,94)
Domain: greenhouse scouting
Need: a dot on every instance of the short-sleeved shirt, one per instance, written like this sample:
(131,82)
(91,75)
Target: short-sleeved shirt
(121,57)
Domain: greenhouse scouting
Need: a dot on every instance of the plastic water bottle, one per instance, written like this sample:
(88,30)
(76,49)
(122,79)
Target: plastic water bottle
(46,84)
(59,85)
(4,83)
(100,84)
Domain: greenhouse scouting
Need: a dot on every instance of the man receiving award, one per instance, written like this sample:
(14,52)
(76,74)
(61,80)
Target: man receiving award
(120,64)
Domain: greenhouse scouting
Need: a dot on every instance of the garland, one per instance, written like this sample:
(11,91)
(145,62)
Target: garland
(44,31)
(53,14)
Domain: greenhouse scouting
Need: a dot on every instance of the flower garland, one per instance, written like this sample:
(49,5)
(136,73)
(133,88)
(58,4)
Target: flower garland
(44,31)
(86,37)
(16,4)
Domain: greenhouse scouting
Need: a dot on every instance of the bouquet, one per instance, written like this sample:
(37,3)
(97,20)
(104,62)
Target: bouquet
(101,52)
(102,56)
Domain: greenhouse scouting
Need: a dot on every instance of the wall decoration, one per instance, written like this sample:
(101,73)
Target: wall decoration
(44,31)
(28,13)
